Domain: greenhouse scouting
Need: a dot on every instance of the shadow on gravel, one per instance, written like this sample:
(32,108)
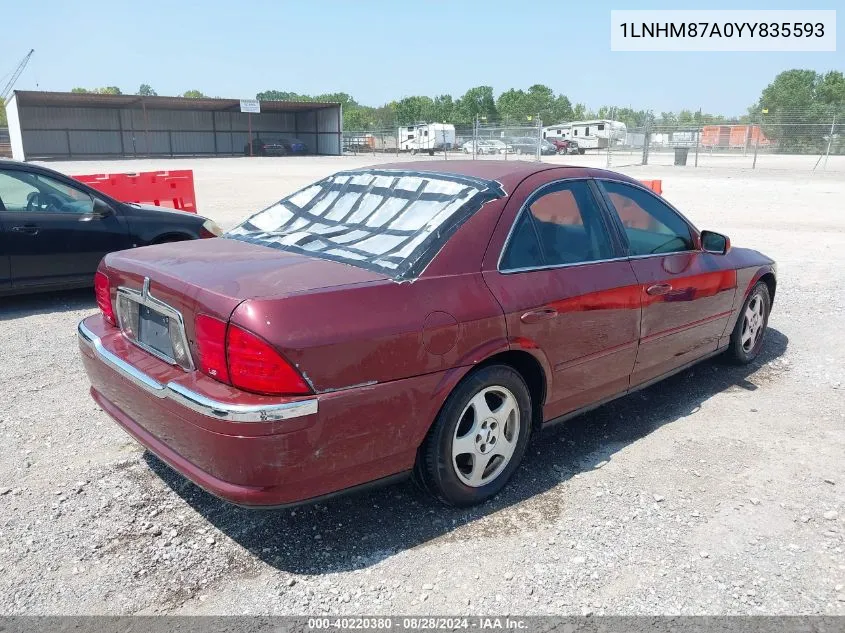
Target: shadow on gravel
(19,306)
(357,531)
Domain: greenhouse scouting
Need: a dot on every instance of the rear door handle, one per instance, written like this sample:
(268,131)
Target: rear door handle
(27,229)
(658,289)
(534,316)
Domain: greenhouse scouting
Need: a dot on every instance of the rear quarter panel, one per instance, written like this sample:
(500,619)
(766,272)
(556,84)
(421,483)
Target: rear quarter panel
(380,331)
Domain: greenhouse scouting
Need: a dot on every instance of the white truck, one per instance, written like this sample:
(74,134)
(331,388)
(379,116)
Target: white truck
(427,137)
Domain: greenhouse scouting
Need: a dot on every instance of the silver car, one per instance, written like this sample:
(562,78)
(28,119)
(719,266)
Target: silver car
(481,147)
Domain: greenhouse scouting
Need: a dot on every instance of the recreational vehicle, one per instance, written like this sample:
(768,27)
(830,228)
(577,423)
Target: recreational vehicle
(598,133)
(426,137)
(561,131)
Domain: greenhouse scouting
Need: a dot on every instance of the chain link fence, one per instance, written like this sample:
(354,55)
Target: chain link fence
(799,140)
(803,140)
(477,141)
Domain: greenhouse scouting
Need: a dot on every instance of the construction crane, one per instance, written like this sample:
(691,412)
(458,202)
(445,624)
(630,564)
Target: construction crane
(17,73)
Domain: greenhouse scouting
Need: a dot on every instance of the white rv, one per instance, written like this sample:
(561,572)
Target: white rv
(426,137)
(598,133)
(561,131)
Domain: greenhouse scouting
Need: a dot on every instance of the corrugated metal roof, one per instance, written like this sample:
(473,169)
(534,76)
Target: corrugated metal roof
(84,99)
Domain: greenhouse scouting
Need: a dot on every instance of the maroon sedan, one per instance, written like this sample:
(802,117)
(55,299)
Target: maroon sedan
(410,318)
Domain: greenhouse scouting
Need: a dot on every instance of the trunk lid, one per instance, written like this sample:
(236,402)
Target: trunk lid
(213,276)
(233,269)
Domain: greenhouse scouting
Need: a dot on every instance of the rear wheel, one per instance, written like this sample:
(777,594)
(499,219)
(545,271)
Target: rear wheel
(478,438)
(747,336)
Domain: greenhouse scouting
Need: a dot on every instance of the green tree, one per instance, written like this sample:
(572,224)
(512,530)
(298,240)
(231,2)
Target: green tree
(831,89)
(280,95)
(799,108)
(106,90)
(337,97)
(581,112)
(193,94)
(513,105)
(415,109)
(476,101)
(443,109)
(147,91)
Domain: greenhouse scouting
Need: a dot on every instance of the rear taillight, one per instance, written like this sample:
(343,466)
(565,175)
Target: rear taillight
(211,341)
(239,358)
(102,291)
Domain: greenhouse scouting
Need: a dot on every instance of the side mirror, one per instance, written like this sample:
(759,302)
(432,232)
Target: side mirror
(713,242)
(101,209)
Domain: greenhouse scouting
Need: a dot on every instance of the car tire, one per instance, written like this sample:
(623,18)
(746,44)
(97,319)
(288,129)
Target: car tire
(750,329)
(495,445)
(581,150)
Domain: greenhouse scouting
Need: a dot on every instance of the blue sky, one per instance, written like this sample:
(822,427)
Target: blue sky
(377,50)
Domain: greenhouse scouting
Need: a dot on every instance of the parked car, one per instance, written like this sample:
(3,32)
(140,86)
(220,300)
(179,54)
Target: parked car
(276,147)
(528,145)
(309,351)
(565,145)
(500,146)
(481,147)
(54,230)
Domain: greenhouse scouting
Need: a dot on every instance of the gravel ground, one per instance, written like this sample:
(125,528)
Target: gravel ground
(718,491)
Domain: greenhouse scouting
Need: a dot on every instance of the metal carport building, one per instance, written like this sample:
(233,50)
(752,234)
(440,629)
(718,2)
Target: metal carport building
(57,125)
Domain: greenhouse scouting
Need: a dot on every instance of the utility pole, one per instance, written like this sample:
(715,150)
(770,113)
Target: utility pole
(646,137)
(697,135)
(830,140)
(475,136)
(757,140)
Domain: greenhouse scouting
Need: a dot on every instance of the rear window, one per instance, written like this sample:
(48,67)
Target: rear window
(390,221)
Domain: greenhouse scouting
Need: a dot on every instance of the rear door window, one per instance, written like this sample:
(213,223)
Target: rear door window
(568,228)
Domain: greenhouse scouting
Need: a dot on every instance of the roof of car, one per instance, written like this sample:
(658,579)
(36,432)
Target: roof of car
(507,172)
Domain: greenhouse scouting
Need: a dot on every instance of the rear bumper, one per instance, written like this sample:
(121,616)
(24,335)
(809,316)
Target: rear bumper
(197,402)
(255,450)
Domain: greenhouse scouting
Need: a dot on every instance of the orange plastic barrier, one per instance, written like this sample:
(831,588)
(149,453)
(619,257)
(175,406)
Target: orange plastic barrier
(655,185)
(172,189)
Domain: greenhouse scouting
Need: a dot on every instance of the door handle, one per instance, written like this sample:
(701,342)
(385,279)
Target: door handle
(28,229)
(534,316)
(658,289)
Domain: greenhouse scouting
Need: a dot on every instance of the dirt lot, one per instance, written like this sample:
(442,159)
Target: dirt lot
(719,491)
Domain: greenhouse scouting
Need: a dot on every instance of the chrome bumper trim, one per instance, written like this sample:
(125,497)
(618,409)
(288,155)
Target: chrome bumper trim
(192,400)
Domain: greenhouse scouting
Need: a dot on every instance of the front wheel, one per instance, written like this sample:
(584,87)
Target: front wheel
(478,438)
(747,336)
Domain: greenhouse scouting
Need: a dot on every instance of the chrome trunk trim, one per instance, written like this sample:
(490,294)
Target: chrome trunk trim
(226,411)
(144,298)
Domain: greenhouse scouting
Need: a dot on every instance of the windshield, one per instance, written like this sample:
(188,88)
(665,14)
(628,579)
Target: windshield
(389,221)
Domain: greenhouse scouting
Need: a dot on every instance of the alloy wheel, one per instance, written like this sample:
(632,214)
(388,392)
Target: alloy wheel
(486,436)
(753,323)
